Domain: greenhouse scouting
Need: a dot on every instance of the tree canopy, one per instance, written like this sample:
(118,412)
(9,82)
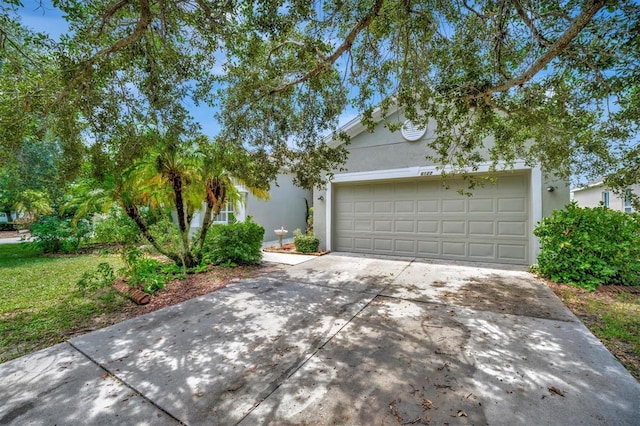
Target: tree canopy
(555,82)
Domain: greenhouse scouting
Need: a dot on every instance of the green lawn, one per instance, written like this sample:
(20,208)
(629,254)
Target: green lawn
(40,306)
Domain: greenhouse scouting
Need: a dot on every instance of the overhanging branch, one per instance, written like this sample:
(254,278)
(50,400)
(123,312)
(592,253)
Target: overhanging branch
(578,24)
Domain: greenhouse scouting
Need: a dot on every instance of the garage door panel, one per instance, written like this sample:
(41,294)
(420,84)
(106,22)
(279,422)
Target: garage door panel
(405,226)
(428,206)
(363,225)
(428,226)
(452,248)
(363,207)
(478,227)
(512,252)
(383,190)
(512,228)
(454,206)
(420,218)
(482,205)
(428,186)
(346,243)
(457,227)
(513,183)
(405,246)
(362,191)
(344,225)
(482,251)
(509,205)
(405,189)
(406,206)
(344,207)
(383,244)
(363,243)
(429,248)
(383,225)
(383,207)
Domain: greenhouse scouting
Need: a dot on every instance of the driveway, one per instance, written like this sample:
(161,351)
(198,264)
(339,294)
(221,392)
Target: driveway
(336,340)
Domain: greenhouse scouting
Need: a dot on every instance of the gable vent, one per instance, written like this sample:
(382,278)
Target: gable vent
(412,132)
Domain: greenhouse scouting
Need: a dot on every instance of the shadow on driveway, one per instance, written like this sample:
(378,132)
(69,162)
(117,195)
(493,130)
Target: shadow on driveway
(337,340)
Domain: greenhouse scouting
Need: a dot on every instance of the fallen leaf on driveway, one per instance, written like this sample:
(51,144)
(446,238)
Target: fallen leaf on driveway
(556,391)
(461,414)
(427,404)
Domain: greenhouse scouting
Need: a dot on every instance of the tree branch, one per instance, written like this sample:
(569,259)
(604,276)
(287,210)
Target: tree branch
(345,46)
(142,23)
(475,12)
(529,23)
(577,25)
(108,14)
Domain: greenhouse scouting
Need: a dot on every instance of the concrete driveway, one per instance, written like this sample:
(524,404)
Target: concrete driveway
(336,340)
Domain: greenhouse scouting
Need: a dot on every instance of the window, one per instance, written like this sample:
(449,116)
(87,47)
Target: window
(226,214)
(605,198)
(628,208)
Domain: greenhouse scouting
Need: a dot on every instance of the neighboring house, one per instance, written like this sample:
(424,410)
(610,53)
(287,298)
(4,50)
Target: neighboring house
(6,216)
(391,201)
(285,208)
(595,192)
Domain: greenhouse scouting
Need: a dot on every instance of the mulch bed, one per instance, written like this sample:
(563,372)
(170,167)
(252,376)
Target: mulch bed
(290,248)
(618,289)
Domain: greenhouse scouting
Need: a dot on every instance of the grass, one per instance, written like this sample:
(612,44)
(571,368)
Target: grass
(40,304)
(612,317)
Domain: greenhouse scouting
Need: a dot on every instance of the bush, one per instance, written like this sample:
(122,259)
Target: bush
(102,277)
(7,226)
(588,247)
(150,274)
(239,243)
(58,235)
(305,243)
(115,228)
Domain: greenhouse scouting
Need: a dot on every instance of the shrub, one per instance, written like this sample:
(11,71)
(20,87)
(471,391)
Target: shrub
(58,235)
(588,247)
(102,277)
(115,228)
(239,243)
(305,243)
(150,274)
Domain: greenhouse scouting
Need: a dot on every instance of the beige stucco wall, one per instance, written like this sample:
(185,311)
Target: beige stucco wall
(286,208)
(384,150)
(592,196)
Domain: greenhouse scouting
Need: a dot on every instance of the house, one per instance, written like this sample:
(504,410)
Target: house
(287,207)
(595,192)
(391,201)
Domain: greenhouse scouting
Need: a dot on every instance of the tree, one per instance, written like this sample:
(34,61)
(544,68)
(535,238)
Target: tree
(174,178)
(554,81)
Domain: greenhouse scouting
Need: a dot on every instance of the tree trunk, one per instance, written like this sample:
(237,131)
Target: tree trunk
(176,183)
(206,223)
(134,214)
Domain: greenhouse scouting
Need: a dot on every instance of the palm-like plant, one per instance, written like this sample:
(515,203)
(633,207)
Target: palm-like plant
(168,177)
(216,162)
(176,176)
(88,197)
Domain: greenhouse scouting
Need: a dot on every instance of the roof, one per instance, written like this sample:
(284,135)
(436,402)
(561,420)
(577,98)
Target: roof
(354,127)
(591,184)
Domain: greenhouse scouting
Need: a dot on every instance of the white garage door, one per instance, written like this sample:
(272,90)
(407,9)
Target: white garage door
(420,218)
